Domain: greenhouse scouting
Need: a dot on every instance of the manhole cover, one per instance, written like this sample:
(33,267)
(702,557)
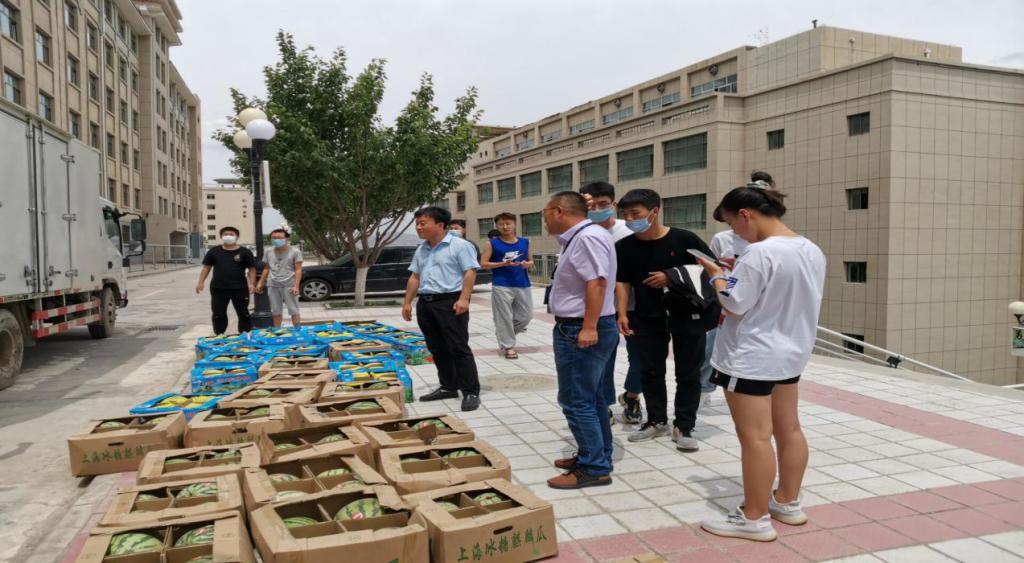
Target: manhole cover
(518,382)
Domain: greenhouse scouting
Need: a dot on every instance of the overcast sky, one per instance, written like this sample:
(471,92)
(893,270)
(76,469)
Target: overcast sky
(533,58)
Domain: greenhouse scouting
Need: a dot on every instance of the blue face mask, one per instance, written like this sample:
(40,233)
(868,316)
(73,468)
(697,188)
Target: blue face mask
(638,225)
(456,233)
(600,215)
(278,242)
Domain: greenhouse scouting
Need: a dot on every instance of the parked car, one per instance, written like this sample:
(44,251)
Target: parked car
(388,275)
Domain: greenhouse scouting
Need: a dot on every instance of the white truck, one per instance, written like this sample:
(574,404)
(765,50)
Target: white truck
(62,261)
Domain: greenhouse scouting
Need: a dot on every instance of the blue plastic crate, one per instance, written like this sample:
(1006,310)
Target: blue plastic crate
(207,344)
(326,325)
(363,326)
(385,364)
(149,407)
(291,351)
(280,336)
(326,337)
(395,355)
(225,382)
(401,375)
(253,359)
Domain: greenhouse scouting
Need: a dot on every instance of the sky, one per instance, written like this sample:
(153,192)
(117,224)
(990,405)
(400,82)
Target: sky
(533,58)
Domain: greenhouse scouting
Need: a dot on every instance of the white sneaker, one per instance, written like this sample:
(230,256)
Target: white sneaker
(705,401)
(790,513)
(649,431)
(685,442)
(736,525)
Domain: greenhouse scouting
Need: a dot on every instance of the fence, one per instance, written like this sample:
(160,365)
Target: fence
(158,256)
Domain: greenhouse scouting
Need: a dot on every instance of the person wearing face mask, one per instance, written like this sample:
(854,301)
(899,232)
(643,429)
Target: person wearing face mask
(645,261)
(282,277)
(458,229)
(234,278)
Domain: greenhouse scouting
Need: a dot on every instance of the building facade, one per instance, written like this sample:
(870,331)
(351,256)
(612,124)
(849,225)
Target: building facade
(227,203)
(902,162)
(100,72)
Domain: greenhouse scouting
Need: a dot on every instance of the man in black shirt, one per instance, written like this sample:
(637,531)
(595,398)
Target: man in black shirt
(643,259)
(234,278)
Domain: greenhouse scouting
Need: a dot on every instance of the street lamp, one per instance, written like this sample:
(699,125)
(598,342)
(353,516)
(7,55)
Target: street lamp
(257,131)
(1017,310)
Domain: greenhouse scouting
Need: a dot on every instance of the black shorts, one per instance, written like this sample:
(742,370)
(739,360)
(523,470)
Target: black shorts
(754,387)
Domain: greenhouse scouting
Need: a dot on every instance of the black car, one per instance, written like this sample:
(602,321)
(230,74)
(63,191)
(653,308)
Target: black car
(388,275)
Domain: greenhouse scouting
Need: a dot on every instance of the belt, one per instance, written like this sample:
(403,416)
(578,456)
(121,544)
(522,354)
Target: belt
(577,320)
(431,297)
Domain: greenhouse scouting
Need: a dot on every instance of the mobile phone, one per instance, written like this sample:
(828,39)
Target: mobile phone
(703,256)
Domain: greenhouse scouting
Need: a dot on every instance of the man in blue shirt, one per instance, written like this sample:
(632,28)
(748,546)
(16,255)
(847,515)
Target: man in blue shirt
(443,273)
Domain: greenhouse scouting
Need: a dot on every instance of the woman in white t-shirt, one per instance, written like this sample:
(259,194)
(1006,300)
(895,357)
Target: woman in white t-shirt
(772,299)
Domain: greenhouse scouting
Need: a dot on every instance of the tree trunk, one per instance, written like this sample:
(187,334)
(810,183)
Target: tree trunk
(360,297)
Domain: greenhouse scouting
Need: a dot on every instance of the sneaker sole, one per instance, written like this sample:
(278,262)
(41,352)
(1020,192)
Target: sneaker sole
(790,520)
(645,438)
(688,450)
(590,484)
(762,536)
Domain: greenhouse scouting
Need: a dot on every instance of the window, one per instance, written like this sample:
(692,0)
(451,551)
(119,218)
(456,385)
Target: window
(211,227)
(110,146)
(138,199)
(135,82)
(859,123)
(94,135)
(636,164)
(442,203)
(617,115)
(42,47)
(506,189)
(460,201)
(92,37)
(211,207)
(503,152)
(856,272)
(109,100)
(776,139)
(211,217)
(108,54)
(857,198)
(122,69)
(72,70)
(124,153)
(581,127)
(531,224)
(9,21)
(484,225)
(663,101)
(111,189)
(211,196)
(688,153)
(135,120)
(727,84)
(686,212)
(12,87)
(552,136)
(853,346)
(594,170)
(75,124)
(71,15)
(122,29)
(485,193)
(108,11)
(126,199)
(559,179)
(45,106)
(530,184)
(136,160)
(134,43)
(524,144)
(94,87)
(124,112)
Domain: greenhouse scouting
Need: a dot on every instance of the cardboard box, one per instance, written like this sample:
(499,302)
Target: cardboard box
(230,541)
(310,377)
(425,468)
(369,539)
(128,509)
(263,394)
(365,344)
(341,411)
(98,451)
(264,485)
(390,388)
(513,526)
(292,363)
(197,463)
(236,425)
(404,433)
(293,445)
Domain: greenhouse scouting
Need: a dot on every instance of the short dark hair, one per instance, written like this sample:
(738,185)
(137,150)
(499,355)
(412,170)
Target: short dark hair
(599,189)
(232,229)
(765,202)
(762,176)
(438,214)
(572,202)
(282,231)
(459,222)
(648,199)
(493,233)
(504,216)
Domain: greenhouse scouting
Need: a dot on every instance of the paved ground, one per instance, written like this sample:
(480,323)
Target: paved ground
(903,467)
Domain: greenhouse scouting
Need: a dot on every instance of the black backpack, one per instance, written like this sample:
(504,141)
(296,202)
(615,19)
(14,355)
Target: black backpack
(683,302)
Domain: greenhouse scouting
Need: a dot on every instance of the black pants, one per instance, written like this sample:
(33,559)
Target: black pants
(653,336)
(239,298)
(448,341)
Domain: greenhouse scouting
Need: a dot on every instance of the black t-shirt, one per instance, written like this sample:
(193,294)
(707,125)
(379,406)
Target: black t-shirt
(229,267)
(638,258)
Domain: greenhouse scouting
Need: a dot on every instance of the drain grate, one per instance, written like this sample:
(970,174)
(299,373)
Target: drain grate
(518,382)
(155,328)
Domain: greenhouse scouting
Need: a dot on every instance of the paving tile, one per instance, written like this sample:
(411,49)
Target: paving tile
(839,492)
(693,512)
(878,508)
(672,540)
(856,454)
(774,551)
(928,445)
(964,474)
(1012,512)
(926,461)
(529,462)
(706,555)
(884,486)
(648,480)
(973,549)
(848,472)
(925,502)
(643,519)
(717,488)
(973,521)
(614,547)
(1001,468)
(1013,490)
(820,545)
(924,529)
(671,494)
(617,502)
(913,554)
(968,495)
(834,516)
(862,558)
(572,507)
(924,479)
(872,536)
(569,552)
(669,461)
(597,526)
(547,493)
(1012,542)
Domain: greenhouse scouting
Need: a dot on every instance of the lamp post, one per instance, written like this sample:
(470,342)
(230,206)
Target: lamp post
(257,131)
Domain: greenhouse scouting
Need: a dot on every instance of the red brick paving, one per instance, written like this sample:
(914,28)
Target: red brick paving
(969,495)
(924,501)
(924,529)
(834,516)
(973,521)
(879,508)
(873,537)
(820,545)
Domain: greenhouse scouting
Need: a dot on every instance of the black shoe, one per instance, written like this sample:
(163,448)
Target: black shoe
(470,403)
(439,394)
(631,411)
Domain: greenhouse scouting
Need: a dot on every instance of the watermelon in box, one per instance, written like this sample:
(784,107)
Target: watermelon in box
(399,374)
(363,364)
(393,355)
(308,350)
(220,379)
(192,538)
(363,326)
(328,335)
(232,359)
(186,403)
(205,343)
(281,336)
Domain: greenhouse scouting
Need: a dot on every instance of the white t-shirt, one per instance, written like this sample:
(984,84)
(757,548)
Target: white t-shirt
(727,244)
(619,230)
(776,290)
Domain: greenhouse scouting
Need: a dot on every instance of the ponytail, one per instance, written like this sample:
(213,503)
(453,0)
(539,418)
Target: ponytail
(754,197)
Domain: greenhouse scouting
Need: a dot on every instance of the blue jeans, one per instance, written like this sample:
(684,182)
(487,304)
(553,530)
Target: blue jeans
(705,370)
(581,392)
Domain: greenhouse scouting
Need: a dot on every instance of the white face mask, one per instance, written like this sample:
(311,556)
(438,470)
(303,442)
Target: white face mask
(228,239)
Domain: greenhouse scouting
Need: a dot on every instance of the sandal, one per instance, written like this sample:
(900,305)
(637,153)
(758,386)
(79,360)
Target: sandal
(511,354)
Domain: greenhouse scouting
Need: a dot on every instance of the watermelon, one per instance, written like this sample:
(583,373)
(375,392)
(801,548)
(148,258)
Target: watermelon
(201,559)
(334,472)
(259,393)
(489,498)
(360,509)
(196,536)
(363,406)
(157,420)
(219,417)
(227,455)
(282,477)
(112,424)
(198,490)
(449,506)
(145,497)
(127,544)
(285,446)
(351,484)
(284,495)
(177,461)
(378,385)
(344,388)
(260,411)
(330,438)
(299,521)
(431,421)
(460,453)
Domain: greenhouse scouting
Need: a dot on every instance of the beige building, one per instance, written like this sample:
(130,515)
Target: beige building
(100,71)
(227,203)
(902,162)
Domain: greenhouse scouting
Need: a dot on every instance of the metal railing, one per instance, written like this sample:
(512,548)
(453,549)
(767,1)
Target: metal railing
(159,256)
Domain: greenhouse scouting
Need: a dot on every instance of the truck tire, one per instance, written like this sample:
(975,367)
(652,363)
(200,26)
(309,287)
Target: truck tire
(104,328)
(12,348)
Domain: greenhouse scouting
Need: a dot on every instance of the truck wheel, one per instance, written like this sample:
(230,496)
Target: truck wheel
(104,328)
(12,348)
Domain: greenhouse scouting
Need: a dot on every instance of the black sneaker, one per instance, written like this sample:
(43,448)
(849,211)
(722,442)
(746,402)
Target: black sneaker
(632,413)
(470,403)
(438,394)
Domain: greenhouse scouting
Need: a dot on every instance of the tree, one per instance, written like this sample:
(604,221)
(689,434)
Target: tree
(340,176)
